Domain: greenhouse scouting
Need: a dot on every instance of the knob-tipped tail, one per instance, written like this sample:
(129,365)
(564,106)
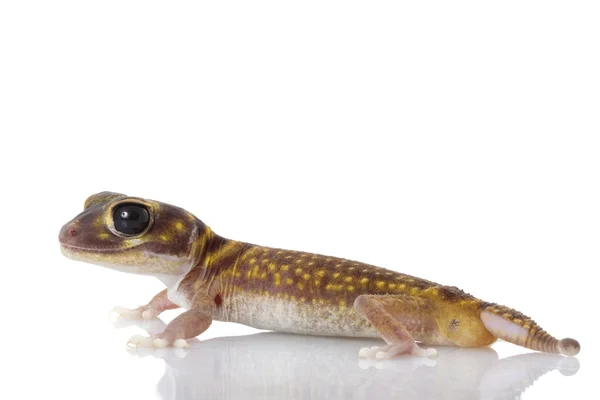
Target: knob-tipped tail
(512,326)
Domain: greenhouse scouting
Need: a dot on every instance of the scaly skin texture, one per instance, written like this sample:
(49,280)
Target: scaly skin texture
(215,278)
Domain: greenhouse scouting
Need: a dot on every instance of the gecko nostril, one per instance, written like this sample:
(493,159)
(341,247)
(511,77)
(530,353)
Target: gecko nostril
(73,232)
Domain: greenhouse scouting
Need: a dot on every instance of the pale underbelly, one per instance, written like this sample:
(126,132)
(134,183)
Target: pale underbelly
(284,315)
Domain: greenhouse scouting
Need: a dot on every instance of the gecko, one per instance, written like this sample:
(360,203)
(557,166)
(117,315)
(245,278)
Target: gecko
(218,279)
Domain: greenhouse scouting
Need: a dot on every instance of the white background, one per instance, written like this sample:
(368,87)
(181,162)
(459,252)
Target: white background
(457,142)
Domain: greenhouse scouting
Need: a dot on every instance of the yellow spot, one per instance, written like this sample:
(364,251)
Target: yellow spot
(306,276)
(289,281)
(336,274)
(263,275)
(300,285)
(391,285)
(329,286)
(265,261)
(287,257)
(279,252)
(298,261)
(377,273)
(321,301)
(277,279)
(252,260)
(284,268)
(350,288)
(351,268)
(303,299)
(414,291)
(103,235)
(164,238)
(321,273)
(317,282)
(272,267)
(364,280)
(286,296)
(314,301)
(179,225)
(311,263)
(338,265)
(237,274)
(298,271)
(388,273)
(348,279)
(266,293)
(380,284)
(342,303)
(255,271)
(293,298)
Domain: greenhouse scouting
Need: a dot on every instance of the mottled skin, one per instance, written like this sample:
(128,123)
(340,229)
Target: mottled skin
(216,278)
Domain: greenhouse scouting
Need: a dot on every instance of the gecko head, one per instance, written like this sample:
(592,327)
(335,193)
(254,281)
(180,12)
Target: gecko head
(134,235)
(458,318)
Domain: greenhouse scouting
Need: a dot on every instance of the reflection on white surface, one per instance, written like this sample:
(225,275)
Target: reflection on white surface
(273,365)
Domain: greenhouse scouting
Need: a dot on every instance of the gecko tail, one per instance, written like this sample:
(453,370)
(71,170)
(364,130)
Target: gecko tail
(514,327)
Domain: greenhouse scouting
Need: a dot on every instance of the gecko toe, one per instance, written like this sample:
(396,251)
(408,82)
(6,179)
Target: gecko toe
(181,343)
(372,352)
(364,352)
(149,314)
(428,353)
(122,312)
(382,355)
(144,342)
(160,343)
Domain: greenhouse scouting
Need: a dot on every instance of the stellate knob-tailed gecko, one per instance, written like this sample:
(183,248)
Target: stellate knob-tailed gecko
(214,278)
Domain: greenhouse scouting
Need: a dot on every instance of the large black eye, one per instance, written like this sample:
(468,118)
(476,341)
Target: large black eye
(131,218)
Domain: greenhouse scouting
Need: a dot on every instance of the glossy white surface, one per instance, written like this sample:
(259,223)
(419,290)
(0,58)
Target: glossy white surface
(455,140)
(270,365)
(275,366)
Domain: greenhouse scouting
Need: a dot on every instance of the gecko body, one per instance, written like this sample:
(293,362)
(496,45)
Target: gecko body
(214,278)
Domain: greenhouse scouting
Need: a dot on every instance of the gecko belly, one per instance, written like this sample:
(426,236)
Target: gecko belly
(294,316)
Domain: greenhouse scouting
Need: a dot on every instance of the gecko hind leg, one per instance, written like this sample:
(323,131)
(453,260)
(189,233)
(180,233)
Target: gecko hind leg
(391,315)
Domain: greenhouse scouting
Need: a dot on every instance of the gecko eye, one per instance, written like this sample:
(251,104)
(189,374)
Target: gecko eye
(131,218)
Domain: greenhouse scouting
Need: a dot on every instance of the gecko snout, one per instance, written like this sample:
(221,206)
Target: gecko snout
(69,232)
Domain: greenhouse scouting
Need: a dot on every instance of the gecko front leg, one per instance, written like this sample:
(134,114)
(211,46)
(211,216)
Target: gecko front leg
(391,315)
(185,326)
(157,305)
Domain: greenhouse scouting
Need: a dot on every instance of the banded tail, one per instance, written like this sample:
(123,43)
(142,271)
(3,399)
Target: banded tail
(514,327)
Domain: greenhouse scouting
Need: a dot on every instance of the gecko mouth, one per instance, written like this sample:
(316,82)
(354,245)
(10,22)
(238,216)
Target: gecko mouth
(74,248)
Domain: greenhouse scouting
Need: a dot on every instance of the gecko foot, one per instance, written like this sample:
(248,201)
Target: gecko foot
(137,313)
(392,350)
(148,342)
